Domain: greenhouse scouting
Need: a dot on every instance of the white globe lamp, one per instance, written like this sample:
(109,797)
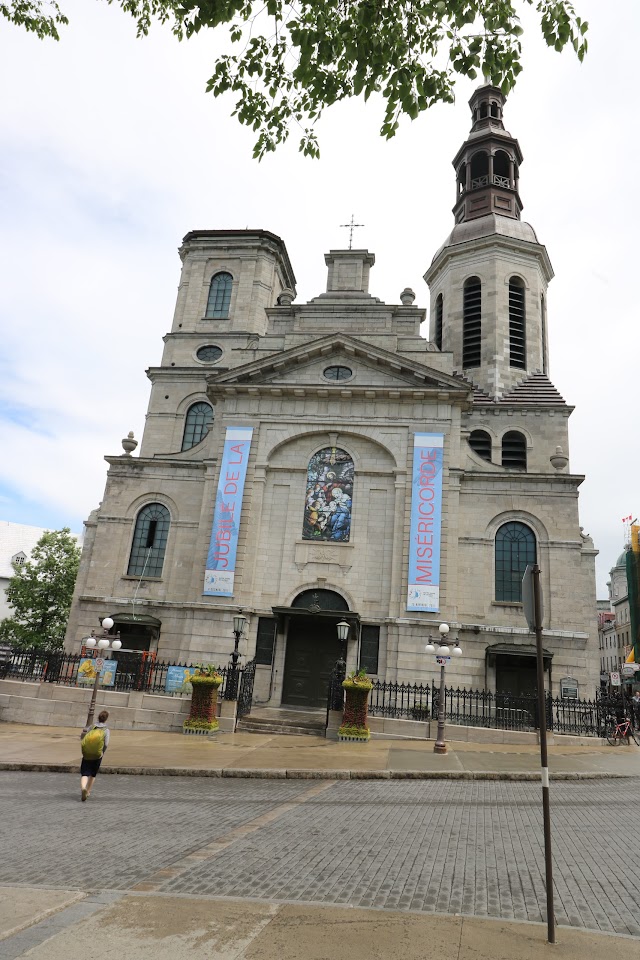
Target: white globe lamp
(89,642)
(103,643)
(116,644)
(107,623)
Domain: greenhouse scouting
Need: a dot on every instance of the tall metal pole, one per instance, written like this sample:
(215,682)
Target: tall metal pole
(542,724)
(440,745)
(92,705)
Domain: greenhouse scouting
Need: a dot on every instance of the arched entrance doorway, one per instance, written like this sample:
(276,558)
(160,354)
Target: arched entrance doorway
(312,647)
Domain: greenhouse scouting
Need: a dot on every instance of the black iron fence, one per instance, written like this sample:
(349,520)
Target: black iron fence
(127,671)
(504,711)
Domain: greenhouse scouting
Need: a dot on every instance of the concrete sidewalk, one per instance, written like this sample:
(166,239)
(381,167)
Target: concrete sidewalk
(70,925)
(56,749)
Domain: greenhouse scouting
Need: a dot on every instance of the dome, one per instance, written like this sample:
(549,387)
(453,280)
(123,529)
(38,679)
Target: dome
(488,226)
(622,559)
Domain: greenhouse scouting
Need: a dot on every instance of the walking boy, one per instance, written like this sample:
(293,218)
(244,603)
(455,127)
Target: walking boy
(94,743)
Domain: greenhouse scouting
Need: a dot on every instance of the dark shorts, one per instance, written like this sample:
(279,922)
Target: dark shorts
(89,768)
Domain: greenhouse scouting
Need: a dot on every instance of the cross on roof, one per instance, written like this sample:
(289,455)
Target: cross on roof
(351,227)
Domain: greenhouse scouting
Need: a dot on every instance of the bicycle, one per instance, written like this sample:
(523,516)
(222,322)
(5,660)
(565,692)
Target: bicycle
(617,732)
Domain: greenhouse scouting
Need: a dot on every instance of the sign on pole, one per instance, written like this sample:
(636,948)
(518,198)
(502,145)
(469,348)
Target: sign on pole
(527,599)
(443,661)
(615,679)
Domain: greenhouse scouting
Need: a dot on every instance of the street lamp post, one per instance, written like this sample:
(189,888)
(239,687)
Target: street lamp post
(336,698)
(103,643)
(443,653)
(231,690)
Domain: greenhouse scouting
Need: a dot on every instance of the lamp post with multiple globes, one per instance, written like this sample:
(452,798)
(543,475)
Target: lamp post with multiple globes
(103,643)
(443,654)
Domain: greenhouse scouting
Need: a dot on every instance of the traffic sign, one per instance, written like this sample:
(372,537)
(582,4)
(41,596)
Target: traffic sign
(443,661)
(615,679)
(99,663)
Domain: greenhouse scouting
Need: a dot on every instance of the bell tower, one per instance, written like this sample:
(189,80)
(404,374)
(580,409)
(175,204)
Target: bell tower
(487,164)
(488,281)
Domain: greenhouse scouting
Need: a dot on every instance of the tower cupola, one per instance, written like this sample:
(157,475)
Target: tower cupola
(487,164)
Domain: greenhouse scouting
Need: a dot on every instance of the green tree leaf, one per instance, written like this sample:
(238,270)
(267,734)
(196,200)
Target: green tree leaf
(40,593)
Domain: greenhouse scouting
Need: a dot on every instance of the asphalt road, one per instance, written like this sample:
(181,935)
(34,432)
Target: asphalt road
(461,847)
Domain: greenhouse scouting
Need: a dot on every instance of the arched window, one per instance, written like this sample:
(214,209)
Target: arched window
(149,541)
(462,178)
(472,323)
(316,600)
(514,450)
(327,509)
(479,169)
(480,443)
(502,169)
(484,109)
(495,112)
(515,549)
(439,314)
(219,297)
(196,424)
(517,324)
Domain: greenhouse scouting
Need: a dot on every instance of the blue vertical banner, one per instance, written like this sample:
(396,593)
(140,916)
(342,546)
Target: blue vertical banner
(426,523)
(223,546)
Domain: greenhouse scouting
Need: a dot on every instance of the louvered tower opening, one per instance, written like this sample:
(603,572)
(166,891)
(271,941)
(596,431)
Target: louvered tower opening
(514,450)
(517,324)
(472,323)
(480,443)
(439,314)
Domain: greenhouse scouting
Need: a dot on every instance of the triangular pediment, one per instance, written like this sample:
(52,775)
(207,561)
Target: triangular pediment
(371,368)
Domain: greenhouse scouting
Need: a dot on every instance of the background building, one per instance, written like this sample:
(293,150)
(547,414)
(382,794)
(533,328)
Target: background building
(323,461)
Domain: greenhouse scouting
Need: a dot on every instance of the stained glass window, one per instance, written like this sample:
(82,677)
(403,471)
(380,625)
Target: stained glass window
(329,496)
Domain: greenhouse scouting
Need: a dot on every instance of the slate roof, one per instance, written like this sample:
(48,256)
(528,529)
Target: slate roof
(534,389)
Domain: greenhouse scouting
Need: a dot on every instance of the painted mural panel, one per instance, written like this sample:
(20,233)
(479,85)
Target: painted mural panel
(327,511)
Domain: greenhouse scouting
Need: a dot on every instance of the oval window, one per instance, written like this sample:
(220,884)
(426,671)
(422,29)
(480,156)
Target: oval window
(337,373)
(209,353)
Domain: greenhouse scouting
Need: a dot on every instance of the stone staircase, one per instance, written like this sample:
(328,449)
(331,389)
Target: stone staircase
(306,725)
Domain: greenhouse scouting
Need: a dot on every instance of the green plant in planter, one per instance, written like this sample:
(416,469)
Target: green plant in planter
(354,719)
(204,696)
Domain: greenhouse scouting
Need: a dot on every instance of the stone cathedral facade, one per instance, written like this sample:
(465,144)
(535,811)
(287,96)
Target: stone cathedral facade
(314,462)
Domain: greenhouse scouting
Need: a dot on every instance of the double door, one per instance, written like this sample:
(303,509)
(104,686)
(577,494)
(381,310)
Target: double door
(312,650)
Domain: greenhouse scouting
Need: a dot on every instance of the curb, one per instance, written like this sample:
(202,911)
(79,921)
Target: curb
(285,774)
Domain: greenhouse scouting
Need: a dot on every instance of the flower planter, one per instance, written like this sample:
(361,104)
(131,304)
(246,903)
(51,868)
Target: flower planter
(354,727)
(202,717)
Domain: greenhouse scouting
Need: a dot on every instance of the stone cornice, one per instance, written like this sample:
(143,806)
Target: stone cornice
(493,240)
(407,394)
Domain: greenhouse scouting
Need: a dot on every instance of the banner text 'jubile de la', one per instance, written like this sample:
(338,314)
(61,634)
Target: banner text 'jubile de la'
(223,546)
(426,523)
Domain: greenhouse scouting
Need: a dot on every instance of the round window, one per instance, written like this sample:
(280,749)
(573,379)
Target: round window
(209,353)
(338,373)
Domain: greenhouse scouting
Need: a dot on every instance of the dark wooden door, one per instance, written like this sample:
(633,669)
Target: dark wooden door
(516,675)
(312,650)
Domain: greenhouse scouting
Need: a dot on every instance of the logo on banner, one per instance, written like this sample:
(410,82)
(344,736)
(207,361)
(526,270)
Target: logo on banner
(221,559)
(426,523)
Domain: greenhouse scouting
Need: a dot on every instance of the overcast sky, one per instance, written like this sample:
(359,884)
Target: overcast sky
(110,151)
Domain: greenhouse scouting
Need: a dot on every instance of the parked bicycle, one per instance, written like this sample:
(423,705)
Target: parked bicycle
(616,731)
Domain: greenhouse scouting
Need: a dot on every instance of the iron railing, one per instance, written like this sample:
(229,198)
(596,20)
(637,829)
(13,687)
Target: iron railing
(245,693)
(481,708)
(133,672)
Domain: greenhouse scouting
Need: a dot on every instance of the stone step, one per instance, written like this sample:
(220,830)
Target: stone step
(248,726)
(311,724)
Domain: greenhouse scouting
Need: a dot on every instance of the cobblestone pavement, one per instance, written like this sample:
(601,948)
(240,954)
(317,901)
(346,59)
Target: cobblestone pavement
(445,847)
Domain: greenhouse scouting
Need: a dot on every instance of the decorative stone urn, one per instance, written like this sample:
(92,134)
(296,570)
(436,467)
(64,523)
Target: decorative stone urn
(357,687)
(202,717)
